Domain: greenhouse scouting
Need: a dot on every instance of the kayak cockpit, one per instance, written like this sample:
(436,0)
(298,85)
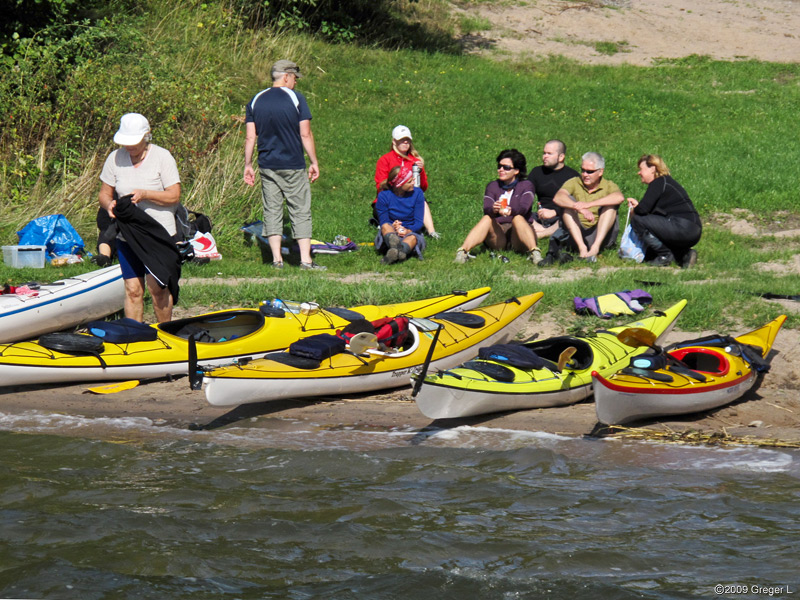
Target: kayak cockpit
(216,327)
(704,360)
(551,349)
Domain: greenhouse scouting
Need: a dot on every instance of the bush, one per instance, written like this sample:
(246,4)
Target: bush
(388,23)
(62,101)
(47,22)
(42,44)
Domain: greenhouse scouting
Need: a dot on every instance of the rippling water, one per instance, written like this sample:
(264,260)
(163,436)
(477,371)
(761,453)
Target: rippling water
(278,509)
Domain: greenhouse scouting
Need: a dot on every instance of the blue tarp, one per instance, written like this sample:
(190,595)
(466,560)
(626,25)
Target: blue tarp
(53,231)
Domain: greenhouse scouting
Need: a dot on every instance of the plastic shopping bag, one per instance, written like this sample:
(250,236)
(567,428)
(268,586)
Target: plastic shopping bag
(629,246)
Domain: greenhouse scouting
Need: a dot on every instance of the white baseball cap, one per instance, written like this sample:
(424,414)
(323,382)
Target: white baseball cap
(400,132)
(132,129)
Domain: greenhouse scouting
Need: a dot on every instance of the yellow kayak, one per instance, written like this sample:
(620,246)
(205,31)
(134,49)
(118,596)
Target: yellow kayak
(698,375)
(449,341)
(494,385)
(222,337)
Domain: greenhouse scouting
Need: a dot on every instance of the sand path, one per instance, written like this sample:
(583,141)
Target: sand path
(641,30)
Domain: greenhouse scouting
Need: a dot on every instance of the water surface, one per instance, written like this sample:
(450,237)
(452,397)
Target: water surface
(271,508)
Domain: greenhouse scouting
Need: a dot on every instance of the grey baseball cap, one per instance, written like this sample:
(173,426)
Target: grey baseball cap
(286,66)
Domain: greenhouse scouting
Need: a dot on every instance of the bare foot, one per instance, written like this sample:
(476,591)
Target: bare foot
(593,251)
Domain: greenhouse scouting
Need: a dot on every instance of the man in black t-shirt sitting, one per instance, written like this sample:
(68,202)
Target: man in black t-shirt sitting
(547,179)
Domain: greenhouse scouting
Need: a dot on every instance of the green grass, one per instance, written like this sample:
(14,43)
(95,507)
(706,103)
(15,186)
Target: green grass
(725,128)
(611,48)
(471,24)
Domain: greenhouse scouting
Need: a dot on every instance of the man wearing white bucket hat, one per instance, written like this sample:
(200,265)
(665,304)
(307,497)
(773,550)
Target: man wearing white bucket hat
(279,120)
(149,175)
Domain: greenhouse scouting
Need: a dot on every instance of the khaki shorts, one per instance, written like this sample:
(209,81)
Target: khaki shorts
(292,186)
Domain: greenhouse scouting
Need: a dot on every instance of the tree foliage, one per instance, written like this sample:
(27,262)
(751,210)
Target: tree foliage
(43,45)
(49,21)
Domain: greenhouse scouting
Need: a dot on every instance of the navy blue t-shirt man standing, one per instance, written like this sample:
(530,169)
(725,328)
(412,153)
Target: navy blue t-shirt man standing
(279,120)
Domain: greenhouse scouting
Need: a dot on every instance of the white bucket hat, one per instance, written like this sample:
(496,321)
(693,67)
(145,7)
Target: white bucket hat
(132,129)
(400,132)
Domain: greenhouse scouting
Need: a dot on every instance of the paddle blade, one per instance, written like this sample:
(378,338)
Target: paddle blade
(361,342)
(637,337)
(564,357)
(113,388)
(423,324)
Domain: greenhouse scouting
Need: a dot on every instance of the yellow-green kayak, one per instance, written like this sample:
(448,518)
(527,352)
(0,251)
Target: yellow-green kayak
(486,386)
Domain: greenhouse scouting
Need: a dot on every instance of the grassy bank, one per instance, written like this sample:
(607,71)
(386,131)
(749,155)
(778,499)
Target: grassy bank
(725,128)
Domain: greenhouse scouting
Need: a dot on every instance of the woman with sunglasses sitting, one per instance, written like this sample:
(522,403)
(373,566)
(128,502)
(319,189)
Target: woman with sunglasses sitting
(507,215)
(400,208)
(403,154)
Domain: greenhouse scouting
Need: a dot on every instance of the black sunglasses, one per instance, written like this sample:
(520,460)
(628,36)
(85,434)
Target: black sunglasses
(589,171)
(505,167)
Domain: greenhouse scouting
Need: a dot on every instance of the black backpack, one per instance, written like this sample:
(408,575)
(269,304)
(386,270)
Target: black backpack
(318,347)
(189,222)
(122,331)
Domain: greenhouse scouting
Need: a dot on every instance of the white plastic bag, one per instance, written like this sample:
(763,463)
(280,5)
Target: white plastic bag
(205,246)
(629,246)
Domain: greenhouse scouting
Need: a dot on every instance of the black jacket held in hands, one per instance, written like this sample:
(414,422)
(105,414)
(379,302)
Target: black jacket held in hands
(151,243)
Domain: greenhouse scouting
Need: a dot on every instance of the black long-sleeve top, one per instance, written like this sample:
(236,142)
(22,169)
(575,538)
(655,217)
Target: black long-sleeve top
(665,196)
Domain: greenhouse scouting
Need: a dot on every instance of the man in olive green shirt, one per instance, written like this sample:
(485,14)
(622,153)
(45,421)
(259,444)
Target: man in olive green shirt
(589,223)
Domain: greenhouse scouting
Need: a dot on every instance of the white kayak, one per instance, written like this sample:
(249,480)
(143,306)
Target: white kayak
(62,304)
(285,375)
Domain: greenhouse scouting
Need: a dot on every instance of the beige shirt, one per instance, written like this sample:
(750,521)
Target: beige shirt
(156,172)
